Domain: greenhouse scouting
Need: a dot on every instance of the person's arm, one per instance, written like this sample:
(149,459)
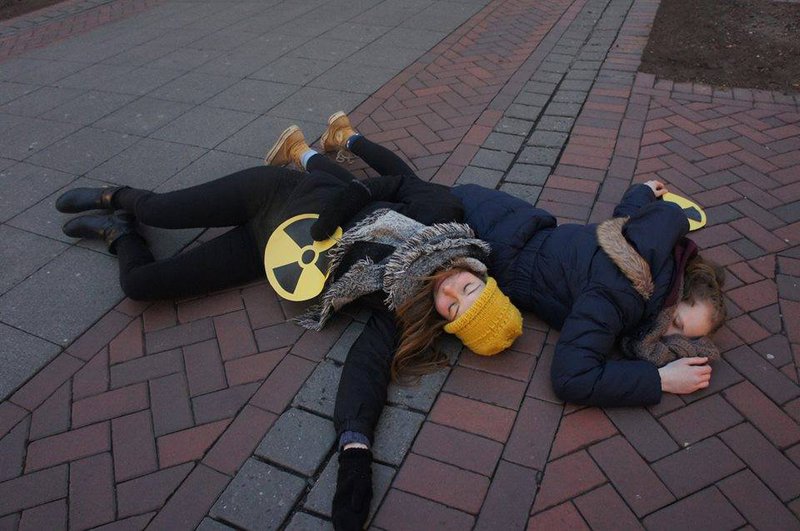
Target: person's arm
(638,196)
(359,402)
(428,202)
(581,372)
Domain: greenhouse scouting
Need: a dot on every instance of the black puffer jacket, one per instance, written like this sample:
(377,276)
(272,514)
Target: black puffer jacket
(564,277)
(366,373)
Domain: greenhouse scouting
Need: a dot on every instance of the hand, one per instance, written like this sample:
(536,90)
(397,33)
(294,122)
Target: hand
(657,187)
(353,490)
(685,375)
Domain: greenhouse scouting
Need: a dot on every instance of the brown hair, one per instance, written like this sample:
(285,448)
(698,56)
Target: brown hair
(703,281)
(420,325)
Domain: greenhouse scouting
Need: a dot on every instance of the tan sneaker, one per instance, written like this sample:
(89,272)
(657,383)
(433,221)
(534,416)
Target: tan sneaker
(289,148)
(337,133)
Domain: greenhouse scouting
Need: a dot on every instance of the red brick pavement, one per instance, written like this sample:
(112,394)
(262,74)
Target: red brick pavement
(149,414)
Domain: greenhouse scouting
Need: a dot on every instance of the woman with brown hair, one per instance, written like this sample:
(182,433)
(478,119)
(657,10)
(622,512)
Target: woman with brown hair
(634,280)
(406,257)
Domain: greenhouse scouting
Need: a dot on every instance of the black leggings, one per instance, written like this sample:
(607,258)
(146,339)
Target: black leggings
(233,258)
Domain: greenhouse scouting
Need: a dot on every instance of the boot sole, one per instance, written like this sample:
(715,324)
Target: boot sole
(272,153)
(332,118)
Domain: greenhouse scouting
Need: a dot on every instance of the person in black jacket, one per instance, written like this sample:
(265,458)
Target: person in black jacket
(635,280)
(402,253)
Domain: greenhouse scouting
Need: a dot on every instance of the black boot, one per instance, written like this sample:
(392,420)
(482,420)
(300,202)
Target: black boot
(108,227)
(80,199)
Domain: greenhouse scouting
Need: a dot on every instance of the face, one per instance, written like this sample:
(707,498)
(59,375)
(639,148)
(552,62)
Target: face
(692,319)
(454,294)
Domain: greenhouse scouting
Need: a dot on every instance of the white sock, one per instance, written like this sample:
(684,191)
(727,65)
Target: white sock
(307,155)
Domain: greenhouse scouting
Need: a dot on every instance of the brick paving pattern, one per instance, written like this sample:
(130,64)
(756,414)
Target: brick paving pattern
(216,412)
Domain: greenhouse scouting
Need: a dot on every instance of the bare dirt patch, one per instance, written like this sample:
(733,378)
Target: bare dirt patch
(727,43)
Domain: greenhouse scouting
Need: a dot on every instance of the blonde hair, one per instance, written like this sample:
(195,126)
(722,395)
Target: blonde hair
(703,281)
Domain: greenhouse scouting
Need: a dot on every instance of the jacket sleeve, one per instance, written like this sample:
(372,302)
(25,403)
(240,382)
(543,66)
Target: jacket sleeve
(635,198)
(581,372)
(366,376)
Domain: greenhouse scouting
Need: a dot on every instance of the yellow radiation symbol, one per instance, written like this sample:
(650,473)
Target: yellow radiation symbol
(296,265)
(695,214)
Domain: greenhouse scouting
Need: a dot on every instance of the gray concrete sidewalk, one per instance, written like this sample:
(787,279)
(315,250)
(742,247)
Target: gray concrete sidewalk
(178,95)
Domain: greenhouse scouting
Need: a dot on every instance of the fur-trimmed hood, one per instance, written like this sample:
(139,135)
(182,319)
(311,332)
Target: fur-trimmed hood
(653,346)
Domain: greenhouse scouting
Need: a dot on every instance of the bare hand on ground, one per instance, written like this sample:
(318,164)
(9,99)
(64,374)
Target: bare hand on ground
(685,375)
(657,187)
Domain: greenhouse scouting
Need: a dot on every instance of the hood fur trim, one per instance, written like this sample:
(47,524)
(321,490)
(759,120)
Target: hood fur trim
(624,256)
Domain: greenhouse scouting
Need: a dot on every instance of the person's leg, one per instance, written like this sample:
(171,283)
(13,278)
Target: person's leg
(228,260)
(378,157)
(321,163)
(340,135)
(223,202)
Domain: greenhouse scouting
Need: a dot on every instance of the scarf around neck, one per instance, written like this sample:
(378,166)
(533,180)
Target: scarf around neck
(653,345)
(419,251)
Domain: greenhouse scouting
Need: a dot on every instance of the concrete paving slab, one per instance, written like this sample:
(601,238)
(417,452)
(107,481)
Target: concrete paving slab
(362,33)
(204,126)
(83,150)
(139,55)
(21,355)
(260,52)
(31,135)
(140,81)
(212,525)
(250,95)
(391,12)
(258,136)
(298,441)
(443,16)
(94,77)
(306,522)
(394,434)
(22,185)
(40,101)
(22,253)
(185,59)
(382,53)
(147,164)
(313,104)
(421,396)
(318,394)
(143,116)
(11,91)
(82,279)
(260,496)
(354,78)
(293,70)
(88,108)
(327,49)
(38,71)
(418,39)
(193,87)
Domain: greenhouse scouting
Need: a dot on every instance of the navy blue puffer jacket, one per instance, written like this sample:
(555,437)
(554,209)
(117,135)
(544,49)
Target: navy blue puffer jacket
(563,276)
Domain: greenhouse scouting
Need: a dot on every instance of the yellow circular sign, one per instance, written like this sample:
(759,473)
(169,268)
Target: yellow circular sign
(296,265)
(695,214)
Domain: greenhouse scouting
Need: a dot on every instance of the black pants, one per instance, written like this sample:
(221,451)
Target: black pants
(233,258)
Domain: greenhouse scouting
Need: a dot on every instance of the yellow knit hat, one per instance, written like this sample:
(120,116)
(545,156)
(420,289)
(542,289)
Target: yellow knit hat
(490,325)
